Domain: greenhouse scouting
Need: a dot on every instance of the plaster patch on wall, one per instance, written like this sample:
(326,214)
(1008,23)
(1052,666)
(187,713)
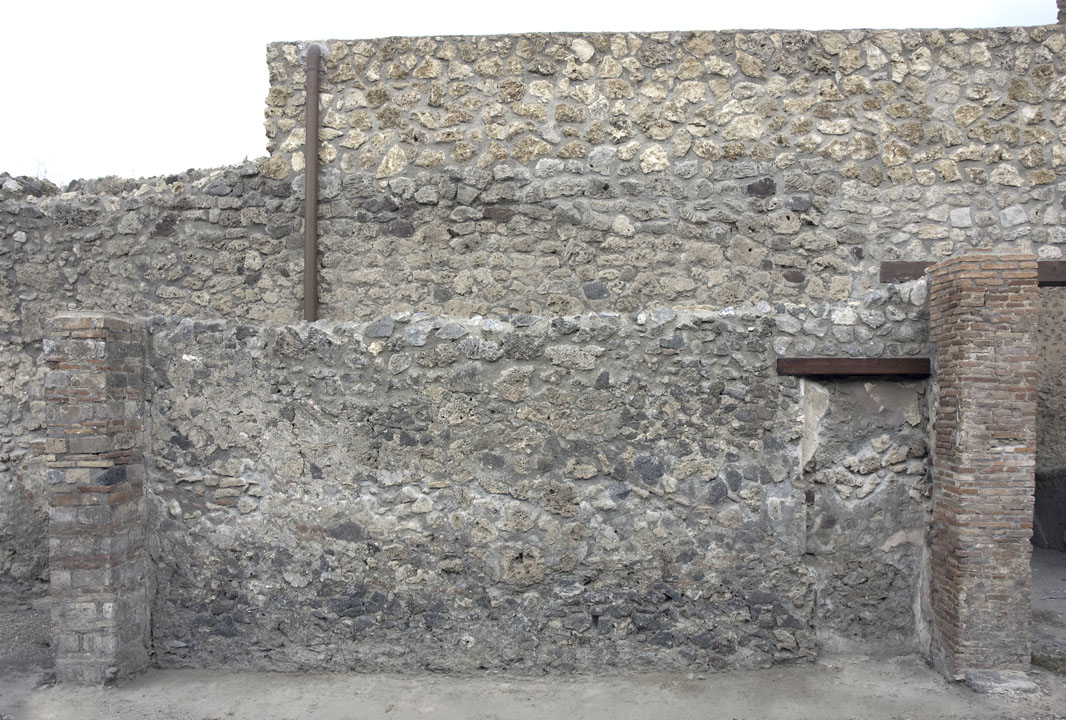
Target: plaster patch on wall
(867,507)
(815,405)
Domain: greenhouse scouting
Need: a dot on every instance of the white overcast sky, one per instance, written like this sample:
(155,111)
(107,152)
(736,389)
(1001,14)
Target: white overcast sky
(152,88)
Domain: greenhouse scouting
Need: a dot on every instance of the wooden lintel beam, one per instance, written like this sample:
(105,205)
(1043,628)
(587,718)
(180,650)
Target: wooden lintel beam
(902,270)
(1049,273)
(838,366)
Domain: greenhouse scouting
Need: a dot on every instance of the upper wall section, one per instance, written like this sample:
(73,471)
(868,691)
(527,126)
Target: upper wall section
(683,104)
(562,173)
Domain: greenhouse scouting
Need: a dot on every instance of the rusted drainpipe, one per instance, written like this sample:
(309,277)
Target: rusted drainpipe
(314,56)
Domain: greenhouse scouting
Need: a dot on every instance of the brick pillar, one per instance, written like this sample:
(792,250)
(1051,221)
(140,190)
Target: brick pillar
(983,321)
(94,397)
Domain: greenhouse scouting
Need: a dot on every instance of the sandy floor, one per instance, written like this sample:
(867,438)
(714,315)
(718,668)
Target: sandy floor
(1049,609)
(843,686)
(26,659)
(838,687)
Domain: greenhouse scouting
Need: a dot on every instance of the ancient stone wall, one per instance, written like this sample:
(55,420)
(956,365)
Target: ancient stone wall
(627,228)
(559,173)
(567,493)
(215,243)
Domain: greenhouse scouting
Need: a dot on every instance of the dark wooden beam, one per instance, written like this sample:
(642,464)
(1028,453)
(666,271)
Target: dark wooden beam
(1049,273)
(902,270)
(837,366)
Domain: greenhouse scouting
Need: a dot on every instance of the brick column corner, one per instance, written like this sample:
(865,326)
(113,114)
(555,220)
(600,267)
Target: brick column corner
(983,312)
(94,404)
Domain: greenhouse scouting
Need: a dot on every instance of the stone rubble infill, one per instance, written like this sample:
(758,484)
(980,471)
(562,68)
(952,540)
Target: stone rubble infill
(997,681)
(530,453)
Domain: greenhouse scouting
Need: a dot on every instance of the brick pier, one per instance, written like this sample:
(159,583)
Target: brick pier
(94,400)
(983,322)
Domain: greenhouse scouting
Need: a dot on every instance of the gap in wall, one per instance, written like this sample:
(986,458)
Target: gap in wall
(1049,513)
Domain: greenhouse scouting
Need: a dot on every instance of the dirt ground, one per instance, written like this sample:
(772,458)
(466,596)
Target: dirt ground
(840,686)
(836,687)
(1049,609)
(26,659)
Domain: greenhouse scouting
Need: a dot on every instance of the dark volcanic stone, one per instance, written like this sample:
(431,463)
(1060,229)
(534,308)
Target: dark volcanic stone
(762,188)
(650,469)
(596,290)
(402,228)
(381,328)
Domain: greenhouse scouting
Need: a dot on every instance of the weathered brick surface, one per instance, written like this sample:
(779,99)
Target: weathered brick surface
(983,319)
(94,396)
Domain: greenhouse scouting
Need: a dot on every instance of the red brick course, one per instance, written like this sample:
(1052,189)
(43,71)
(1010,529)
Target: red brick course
(982,322)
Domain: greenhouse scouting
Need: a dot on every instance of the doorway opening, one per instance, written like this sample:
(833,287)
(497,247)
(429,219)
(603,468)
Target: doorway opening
(1049,510)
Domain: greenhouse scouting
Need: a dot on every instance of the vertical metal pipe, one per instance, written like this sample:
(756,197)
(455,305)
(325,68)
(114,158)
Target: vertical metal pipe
(314,56)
